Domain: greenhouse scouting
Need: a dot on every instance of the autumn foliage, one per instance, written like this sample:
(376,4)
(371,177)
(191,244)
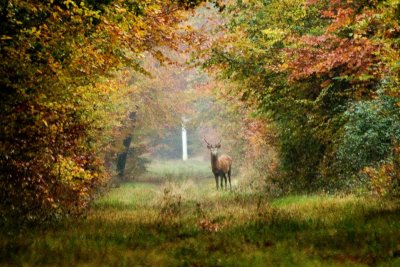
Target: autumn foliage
(63,94)
(317,80)
(326,74)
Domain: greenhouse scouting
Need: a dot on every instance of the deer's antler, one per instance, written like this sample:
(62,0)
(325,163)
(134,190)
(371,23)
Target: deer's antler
(206,141)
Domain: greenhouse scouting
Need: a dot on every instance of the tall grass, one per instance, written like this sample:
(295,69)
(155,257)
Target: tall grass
(189,223)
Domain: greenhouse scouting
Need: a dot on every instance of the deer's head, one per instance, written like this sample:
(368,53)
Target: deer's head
(213,148)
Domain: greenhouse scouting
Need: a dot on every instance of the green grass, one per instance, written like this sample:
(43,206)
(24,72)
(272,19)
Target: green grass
(176,170)
(189,223)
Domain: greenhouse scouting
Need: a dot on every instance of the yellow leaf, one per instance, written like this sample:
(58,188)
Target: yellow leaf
(5,37)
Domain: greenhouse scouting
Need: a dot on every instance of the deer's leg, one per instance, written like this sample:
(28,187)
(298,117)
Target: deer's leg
(226,185)
(216,180)
(222,181)
(229,177)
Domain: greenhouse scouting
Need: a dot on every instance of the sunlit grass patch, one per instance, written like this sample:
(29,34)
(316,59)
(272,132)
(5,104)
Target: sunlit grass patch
(297,200)
(176,171)
(129,195)
(179,166)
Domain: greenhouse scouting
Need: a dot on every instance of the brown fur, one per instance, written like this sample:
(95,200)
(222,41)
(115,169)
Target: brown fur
(223,164)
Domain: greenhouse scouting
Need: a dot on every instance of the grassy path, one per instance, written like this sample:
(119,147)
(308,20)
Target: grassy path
(190,224)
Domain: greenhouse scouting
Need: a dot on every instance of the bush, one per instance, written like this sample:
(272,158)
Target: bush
(385,178)
(371,130)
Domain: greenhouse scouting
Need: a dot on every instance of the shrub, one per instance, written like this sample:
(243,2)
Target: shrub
(385,178)
(370,132)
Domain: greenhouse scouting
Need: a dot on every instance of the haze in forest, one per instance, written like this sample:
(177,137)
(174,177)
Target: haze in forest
(199,133)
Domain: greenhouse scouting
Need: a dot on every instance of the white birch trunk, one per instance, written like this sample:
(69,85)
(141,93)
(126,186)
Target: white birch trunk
(184,144)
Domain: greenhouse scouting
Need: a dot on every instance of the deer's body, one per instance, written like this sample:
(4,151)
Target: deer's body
(220,166)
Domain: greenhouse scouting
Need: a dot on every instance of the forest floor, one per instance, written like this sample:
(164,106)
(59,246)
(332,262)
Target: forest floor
(186,222)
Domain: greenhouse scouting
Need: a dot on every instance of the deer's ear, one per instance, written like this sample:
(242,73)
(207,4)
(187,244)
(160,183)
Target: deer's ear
(218,146)
(208,146)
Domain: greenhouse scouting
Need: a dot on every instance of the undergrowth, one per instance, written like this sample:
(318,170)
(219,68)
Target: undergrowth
(191,224)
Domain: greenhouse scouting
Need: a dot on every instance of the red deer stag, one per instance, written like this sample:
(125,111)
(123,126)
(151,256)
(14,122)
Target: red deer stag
(220,165)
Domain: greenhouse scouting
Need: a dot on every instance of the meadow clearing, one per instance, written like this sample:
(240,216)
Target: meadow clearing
(184,221)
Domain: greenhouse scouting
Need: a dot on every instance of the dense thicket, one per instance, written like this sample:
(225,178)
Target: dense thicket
(327,74)
(61,82)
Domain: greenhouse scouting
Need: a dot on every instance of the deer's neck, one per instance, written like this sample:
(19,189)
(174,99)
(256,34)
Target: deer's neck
(214,161)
